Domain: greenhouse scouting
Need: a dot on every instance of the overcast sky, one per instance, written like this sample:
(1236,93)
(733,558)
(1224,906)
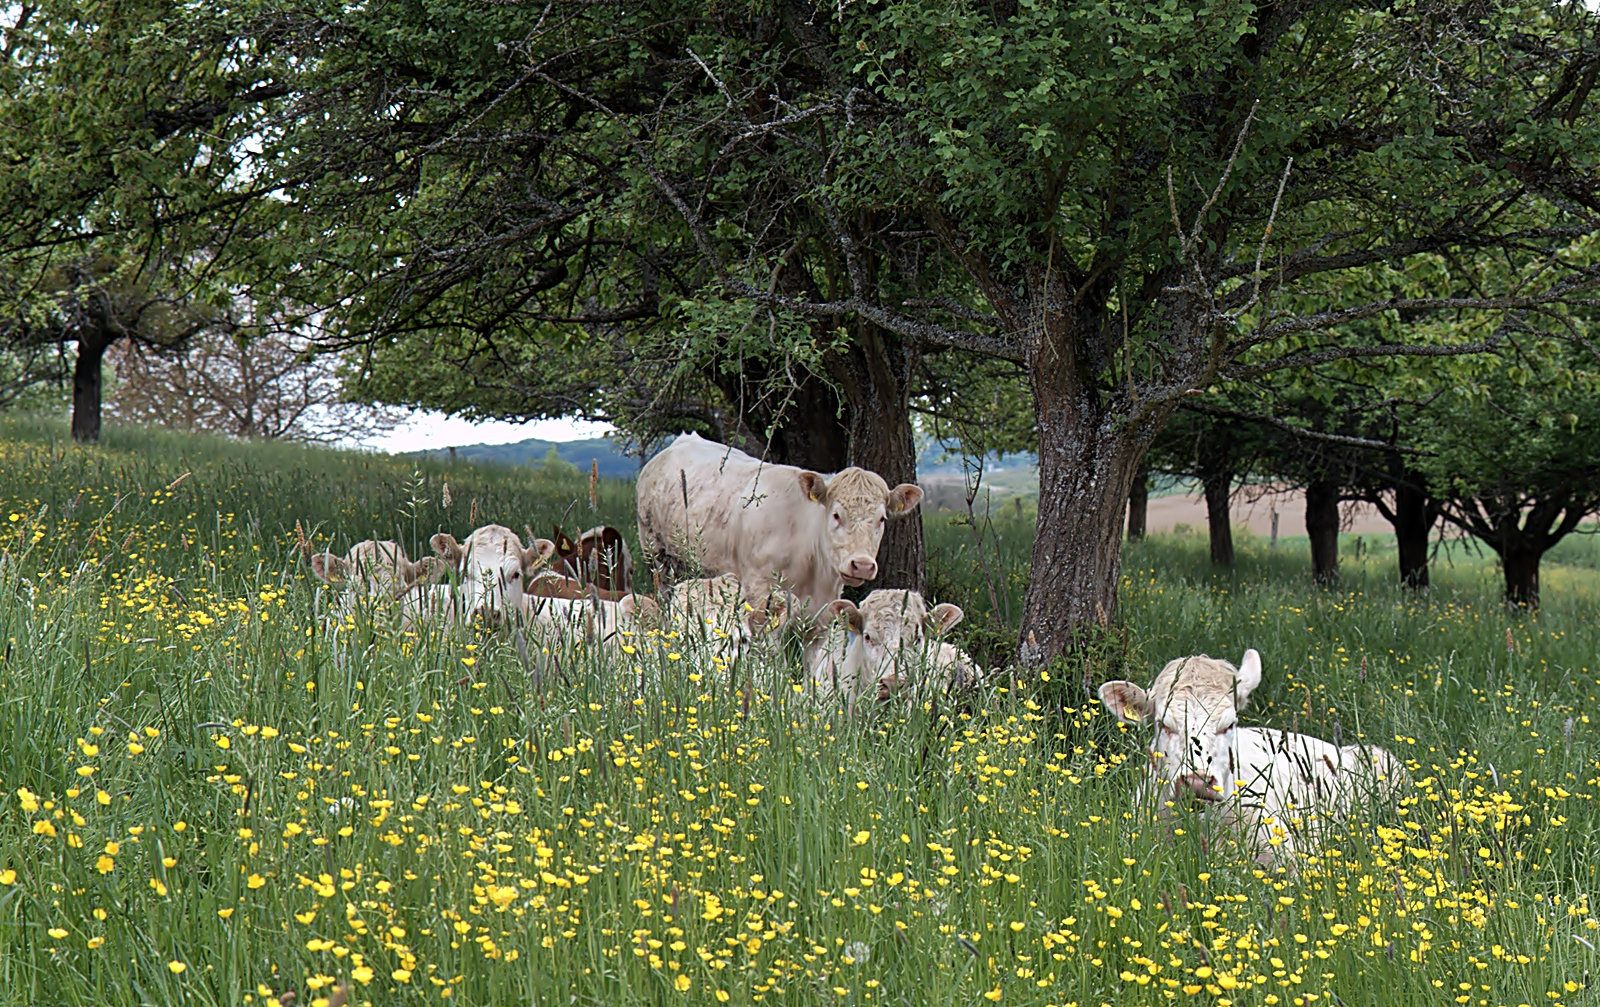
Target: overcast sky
(427,429)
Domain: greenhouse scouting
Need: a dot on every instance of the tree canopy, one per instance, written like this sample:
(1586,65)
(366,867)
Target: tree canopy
(767,220)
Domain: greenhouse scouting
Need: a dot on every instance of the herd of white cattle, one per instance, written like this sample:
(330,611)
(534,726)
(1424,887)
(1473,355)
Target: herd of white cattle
(770,549)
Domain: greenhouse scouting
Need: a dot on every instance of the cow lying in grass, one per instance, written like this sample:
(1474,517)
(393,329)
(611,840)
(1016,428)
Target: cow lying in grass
(1272,786)
(492,566)
(375,568)
(594,620)
(377,572)
(714,617)
(889,645)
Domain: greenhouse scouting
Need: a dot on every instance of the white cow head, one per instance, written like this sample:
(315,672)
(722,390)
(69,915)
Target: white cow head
(858,504)
(493,566)
(1194,704)
(893,629)
(376,568)
(715,612)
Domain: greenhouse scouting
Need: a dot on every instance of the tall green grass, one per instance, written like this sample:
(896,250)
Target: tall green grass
(217,791)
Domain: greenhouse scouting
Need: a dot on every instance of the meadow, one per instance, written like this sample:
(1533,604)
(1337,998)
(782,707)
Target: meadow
(218,792)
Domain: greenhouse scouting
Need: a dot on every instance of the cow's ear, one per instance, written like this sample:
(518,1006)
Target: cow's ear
(409,573)
(538,554)
(839,609)
(903,499)
(447,548)
(641,610)
(814,486)
(944,616)
(1126,701)
(771,616)
(430,570)
(330,569)
(564,545)
(857,620)
(1248,678)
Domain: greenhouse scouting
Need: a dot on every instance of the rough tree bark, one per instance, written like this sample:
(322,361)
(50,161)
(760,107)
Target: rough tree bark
(1218,486)
(1139,505)
(1322,527)
(1091,448)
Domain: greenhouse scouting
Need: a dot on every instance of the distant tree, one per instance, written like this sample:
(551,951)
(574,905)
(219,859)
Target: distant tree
(125,127)
(1514,456)
(1216,449)
(271,386)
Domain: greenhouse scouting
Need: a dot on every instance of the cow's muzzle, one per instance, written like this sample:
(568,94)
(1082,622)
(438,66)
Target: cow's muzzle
(1197,787)
(859,570)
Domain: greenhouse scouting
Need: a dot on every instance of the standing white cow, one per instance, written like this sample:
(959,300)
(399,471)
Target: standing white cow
(889,644)
(712,507)
(493,566)
(1272,786)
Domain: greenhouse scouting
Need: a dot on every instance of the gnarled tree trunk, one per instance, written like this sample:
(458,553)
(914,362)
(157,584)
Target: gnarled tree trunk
(1322,527)
(1090,453)
(1139,505)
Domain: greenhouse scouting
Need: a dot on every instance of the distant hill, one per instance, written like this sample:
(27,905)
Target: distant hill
(933,459)
(532,453)
(945,459)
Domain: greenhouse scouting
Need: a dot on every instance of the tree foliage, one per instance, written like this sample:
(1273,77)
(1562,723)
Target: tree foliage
(129,147)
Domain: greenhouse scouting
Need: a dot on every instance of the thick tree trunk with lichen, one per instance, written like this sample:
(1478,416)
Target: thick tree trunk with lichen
(1092,445)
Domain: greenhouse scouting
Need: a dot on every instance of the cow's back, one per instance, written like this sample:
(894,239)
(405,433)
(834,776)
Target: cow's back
(692,499)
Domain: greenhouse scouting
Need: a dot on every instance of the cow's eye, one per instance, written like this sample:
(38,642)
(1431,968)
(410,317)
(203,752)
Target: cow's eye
(515,575)
(1225,729)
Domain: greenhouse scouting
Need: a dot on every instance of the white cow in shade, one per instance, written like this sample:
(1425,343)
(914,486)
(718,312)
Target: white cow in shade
(776,527)
(1275,787)
(889,645)
(493,566)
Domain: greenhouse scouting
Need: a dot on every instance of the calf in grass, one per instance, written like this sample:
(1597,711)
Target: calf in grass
(1272,786)
(889,645)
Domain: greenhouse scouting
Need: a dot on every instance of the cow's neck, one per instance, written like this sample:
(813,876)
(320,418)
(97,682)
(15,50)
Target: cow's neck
(820,582)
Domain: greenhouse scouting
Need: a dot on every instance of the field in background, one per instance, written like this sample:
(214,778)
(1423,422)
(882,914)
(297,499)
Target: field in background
(215,793)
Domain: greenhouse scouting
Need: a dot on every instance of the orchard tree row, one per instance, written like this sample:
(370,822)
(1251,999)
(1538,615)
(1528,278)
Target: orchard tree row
(1072,224)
